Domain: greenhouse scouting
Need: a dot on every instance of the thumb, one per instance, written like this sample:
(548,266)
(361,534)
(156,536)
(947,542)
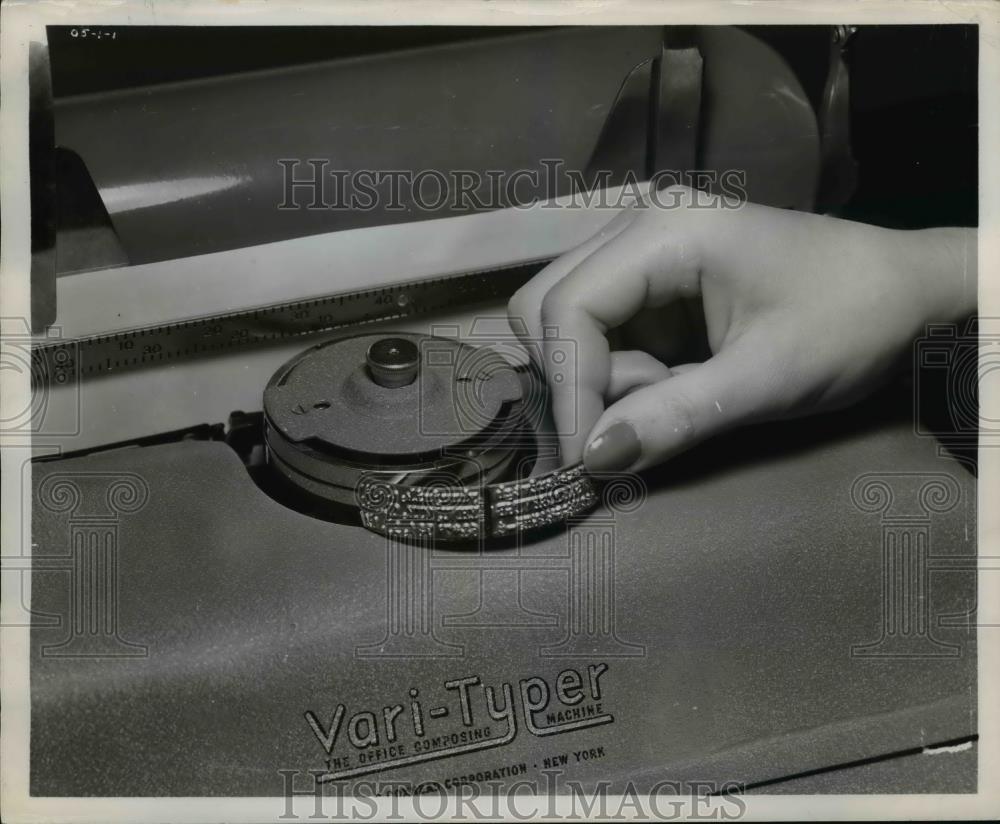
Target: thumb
(656,422)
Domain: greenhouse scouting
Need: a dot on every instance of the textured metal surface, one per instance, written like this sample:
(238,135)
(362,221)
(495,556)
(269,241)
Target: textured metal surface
(740,588)
(457,512)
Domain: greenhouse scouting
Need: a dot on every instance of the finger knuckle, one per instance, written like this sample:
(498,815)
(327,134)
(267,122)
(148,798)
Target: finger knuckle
(552,307)
(517,304)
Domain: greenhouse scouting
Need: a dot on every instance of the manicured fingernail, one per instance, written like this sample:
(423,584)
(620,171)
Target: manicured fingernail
(615,449)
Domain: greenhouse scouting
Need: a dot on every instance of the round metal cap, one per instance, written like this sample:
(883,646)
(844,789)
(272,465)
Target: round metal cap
(393,362)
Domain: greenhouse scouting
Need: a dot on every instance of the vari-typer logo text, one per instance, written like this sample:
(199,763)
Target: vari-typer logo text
(463,716)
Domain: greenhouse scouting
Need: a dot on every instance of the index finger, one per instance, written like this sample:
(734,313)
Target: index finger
(645,265)
(524,308)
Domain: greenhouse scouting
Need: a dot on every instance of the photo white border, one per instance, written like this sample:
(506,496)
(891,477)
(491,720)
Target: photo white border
(23,20)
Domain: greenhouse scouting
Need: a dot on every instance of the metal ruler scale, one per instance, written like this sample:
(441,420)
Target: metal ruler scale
(65,361)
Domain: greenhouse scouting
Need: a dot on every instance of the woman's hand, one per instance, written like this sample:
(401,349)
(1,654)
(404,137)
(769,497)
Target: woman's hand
(796,313)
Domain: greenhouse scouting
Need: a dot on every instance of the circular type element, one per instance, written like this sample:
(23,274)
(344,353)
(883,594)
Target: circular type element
(393,362)
(326,398)
(406,405)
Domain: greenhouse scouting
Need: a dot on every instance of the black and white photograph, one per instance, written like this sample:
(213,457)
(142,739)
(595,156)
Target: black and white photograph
(520,411)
